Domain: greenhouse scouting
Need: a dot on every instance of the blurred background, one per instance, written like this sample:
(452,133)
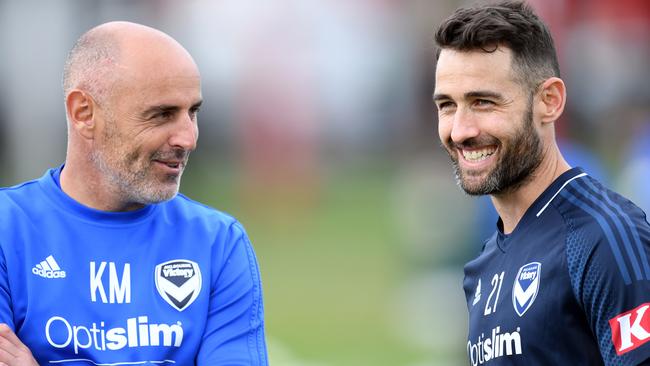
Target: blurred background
(318,132)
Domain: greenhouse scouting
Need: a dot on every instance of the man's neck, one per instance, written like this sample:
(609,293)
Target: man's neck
(78,182)
(512,206)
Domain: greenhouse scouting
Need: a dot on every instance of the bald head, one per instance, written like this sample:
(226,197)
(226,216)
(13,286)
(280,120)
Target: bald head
(118,50)
(132,94)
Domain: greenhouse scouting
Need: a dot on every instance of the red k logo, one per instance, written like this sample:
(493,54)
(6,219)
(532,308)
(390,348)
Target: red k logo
(630,329)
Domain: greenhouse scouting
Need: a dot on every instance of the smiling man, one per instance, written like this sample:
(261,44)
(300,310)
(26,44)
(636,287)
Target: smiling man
(102,262)
(565,280)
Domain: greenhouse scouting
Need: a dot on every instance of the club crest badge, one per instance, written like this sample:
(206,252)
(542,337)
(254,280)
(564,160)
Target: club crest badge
(526,287)
(178,282)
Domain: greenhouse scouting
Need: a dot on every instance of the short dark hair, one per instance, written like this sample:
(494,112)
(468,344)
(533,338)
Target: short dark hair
(512,24)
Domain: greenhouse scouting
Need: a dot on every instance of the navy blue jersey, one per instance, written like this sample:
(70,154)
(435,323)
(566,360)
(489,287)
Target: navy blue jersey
(172,283)
(569,286)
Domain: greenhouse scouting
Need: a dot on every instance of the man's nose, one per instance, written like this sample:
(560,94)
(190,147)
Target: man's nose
(464,126)
(185,134)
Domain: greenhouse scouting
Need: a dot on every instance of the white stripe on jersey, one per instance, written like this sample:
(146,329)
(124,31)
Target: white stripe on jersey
(558,192)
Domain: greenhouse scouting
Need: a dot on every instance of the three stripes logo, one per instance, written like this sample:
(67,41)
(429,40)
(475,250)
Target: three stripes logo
(620,231)
(48,269)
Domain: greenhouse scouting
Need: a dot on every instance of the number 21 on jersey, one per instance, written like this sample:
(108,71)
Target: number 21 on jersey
(493,298)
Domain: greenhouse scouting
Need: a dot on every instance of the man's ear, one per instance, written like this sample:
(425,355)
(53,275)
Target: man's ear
(81,109)
(552,98)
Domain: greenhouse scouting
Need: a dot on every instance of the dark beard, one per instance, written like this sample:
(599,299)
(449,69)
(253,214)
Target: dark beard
(515,166)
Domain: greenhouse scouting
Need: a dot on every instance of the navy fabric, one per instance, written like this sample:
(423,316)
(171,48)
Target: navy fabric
(552,291)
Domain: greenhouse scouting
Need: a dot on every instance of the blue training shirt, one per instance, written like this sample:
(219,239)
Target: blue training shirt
(172,283)
(569,286)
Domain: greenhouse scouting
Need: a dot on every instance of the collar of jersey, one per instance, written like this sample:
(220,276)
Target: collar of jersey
(531,214)
(50,184)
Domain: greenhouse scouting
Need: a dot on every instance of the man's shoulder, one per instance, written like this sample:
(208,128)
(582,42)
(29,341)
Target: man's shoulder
(19,193)
(591,205)
(604,227)
(186,208)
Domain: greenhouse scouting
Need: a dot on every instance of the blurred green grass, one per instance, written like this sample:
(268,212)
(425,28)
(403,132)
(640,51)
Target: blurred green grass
(330,262)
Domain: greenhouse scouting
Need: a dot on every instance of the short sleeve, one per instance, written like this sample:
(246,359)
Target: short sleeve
(614,289)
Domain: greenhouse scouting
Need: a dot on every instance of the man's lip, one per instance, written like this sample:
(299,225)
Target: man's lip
(168,163)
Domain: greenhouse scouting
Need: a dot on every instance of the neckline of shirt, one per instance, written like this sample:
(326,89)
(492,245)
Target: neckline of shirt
(50,183)
(539,206)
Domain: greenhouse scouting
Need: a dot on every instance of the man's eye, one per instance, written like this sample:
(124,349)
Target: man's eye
(445,105)
(163,115)
(483,103)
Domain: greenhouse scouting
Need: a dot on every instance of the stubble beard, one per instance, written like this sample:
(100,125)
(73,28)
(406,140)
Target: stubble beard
(131,176)
(517,162)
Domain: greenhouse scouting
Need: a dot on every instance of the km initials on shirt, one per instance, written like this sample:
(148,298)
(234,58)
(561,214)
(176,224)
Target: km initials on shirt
(630,329)
(119,291)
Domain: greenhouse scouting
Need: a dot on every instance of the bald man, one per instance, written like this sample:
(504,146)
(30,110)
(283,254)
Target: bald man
(102,261)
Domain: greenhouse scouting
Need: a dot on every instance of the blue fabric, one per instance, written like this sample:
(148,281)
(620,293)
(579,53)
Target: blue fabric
(171,283)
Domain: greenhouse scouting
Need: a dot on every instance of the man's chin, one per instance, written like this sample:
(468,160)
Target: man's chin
(160,195)
(473,191)
(474,185)
(168,194)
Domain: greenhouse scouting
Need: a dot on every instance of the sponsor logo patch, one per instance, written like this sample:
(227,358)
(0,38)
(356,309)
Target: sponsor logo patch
(526,287)
(496,344)
(178,282)
(631,329)
(137,332)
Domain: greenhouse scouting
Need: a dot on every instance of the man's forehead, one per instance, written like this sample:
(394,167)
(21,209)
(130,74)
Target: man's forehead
(462,71)
(148,67)
(151,91)
(474,63)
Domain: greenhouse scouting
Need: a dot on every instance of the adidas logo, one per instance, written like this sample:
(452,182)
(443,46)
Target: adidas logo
(48,269)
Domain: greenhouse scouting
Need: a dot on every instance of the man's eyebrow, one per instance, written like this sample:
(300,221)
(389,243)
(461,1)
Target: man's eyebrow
(167,108)
(472,95)
(437,97)
(484,94)
(160,108)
